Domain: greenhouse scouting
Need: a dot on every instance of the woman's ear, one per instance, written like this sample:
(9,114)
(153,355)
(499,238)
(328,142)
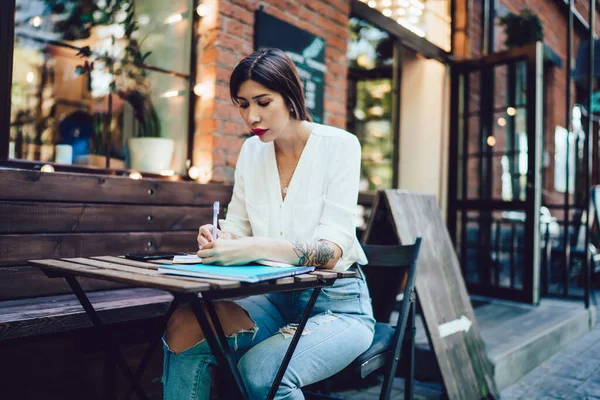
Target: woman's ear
(292,109)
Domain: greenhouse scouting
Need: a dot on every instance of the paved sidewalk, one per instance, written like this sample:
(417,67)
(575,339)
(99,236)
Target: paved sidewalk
(573,374)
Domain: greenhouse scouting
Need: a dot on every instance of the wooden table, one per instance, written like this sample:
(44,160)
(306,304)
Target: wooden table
(199,293)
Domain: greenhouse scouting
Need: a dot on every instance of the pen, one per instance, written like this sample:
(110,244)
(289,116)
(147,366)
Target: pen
(216,205)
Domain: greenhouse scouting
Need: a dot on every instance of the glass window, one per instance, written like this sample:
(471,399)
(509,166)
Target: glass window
(93,78)
(370,98)
(430,19)
(561,156)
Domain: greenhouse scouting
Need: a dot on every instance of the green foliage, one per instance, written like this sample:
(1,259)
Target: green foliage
(522,29)
(130,77)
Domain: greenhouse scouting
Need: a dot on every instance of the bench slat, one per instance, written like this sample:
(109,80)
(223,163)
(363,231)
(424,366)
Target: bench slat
(26,281)
(164,283)
(38,217)
(17,249)
(23,318)
(86,188)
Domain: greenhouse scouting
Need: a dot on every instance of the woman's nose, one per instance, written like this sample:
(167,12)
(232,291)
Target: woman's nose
(254,118)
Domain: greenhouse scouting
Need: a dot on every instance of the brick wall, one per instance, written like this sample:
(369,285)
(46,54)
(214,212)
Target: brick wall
(226,36)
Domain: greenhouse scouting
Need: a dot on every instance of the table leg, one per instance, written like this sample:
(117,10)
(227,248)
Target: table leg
(152,346)
(224,360)
(116,355)
(110,382)
(294,342)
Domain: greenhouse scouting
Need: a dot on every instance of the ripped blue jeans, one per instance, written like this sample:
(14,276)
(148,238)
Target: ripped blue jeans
(340,328)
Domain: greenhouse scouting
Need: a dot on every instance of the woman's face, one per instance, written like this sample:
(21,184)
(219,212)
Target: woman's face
(264,111)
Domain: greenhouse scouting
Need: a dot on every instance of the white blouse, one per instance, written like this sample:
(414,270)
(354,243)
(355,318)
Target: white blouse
(321,198)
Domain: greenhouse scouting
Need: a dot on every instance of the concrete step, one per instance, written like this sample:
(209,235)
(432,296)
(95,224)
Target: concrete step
(518,337)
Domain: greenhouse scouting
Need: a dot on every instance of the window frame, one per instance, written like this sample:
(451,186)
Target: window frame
(7,41)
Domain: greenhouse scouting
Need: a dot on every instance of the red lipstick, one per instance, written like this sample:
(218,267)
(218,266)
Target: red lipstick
(259,131)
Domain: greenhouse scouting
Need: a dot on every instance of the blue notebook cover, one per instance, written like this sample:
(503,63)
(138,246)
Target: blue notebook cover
(243,273)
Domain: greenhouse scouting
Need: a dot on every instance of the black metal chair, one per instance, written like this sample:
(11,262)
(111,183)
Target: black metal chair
(391,343)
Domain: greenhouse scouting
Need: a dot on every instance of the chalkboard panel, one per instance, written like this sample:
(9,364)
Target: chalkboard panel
(306,50)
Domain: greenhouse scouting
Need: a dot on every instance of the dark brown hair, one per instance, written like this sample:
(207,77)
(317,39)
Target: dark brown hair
(273,69)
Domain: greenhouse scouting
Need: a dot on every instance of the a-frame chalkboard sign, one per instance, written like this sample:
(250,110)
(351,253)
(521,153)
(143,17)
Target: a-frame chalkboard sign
(400,216)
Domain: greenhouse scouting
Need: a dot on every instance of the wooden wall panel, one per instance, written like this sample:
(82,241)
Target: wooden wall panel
(39,217)
(63,187)
(17,249)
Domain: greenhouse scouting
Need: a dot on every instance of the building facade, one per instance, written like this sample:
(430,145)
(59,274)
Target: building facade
(443,98)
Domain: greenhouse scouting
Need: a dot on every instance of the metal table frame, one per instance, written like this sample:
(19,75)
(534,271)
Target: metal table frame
(217,339)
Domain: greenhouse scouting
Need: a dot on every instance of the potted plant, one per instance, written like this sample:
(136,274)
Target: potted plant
(522,29)
(129,83)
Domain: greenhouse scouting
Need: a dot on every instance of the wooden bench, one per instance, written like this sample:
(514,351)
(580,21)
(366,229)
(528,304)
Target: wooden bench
(59,215)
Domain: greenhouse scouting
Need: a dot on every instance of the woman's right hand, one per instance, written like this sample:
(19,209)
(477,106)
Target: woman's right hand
(205,235)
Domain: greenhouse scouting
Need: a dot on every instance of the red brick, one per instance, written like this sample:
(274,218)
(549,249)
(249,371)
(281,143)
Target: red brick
(203,142)
(230,143)
(234,27)
(232,159)
(218,73)
(337,43)
(222,175)
(210,55)
(236,12)
(208,126)
(248,4)
(226,111)
(209,38)
(219,157)
(234,128)
(226,57)
(340,5)
(222,92)
(335,120)
(230,42)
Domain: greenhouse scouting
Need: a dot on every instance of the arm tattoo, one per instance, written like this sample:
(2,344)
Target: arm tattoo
(317,253)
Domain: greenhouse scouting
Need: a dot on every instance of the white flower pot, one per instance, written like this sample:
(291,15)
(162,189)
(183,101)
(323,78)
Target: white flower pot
(151,154)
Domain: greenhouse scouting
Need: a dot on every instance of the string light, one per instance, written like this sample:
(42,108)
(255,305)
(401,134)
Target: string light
(201,10)
(491,141)
(36,21)
(47,168)
(173,18)
(170,93)
(135,175)
(194,172)
(198,89)
(511,111)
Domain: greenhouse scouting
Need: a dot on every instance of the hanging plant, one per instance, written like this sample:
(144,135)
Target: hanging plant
(522,29)
(129,77)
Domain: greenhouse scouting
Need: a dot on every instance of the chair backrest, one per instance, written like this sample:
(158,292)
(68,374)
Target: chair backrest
(390,267)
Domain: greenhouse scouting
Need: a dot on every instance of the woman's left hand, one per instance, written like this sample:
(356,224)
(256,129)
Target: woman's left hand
(229,252)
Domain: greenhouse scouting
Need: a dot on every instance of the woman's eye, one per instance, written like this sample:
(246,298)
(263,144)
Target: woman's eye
(264,104)
(243,106)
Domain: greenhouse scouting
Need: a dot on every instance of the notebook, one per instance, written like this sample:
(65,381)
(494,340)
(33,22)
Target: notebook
(244,273)
(194,259)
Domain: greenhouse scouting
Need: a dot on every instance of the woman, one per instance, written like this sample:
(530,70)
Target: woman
(295,192)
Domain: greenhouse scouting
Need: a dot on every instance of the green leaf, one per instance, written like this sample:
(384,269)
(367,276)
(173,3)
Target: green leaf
(146,56)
